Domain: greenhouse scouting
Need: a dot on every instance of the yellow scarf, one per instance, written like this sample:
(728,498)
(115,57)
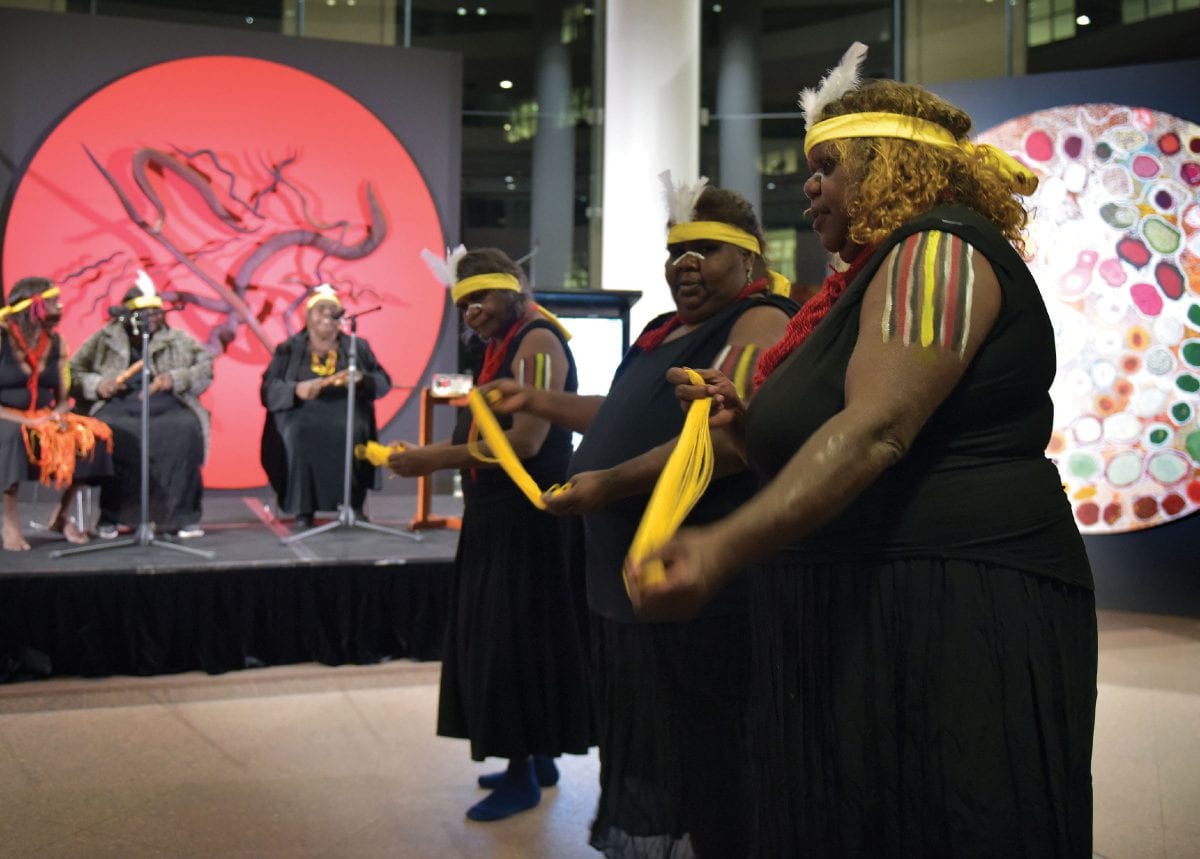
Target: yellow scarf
(684,479)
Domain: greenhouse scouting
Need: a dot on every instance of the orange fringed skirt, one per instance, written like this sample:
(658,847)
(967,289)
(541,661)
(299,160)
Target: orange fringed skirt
(55,447)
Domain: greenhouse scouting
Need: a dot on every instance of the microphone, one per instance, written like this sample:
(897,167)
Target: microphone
(342,310)
(118,311)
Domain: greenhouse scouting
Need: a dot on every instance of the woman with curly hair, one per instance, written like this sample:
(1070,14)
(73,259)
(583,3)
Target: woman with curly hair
(923,623)
(39,437)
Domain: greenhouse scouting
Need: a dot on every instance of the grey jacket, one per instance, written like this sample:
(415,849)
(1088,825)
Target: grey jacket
(106,353)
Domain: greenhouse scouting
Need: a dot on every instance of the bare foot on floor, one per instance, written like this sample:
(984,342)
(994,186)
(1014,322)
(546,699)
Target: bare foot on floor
(74,533)
(13,541)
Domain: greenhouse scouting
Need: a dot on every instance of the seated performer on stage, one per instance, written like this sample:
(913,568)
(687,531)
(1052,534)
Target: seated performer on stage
(304,390)
(105,375)
(36,427)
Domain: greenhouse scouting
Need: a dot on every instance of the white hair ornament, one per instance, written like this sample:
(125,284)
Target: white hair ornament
(445,270)
(681,197)
(143,282)
(842,78)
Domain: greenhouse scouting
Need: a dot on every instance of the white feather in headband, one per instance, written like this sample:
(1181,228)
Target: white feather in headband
(143,282)
(841,79)
(445,270)
(682,197)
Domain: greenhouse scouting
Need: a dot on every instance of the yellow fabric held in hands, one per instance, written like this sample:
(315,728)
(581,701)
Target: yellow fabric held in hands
(684,479)
(376,453)
(486,424)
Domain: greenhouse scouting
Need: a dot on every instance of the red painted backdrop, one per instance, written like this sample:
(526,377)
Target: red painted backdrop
(245,183)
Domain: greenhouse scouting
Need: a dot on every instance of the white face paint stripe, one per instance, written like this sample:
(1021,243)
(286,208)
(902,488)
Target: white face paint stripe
(681,257)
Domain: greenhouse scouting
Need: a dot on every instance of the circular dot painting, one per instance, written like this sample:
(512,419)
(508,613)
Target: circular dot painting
(1114,240)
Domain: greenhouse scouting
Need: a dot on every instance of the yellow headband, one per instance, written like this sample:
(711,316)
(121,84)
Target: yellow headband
(721,232)
(320,295)
(144,302)
(875,124)
(24,303)
(480,282)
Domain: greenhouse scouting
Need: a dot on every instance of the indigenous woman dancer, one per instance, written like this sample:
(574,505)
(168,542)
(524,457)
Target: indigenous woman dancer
(671,697)
(35,424)
(924,624)
(514,669)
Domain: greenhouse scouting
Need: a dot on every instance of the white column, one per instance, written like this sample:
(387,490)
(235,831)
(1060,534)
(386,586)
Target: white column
(651,123)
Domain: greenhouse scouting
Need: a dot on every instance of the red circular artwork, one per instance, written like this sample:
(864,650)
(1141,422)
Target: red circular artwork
(238,184)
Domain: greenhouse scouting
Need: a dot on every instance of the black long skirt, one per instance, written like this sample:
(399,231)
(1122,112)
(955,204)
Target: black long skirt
(672,709)
(514,667)
(313,435)
(14,461)
(176,454)
(932,708)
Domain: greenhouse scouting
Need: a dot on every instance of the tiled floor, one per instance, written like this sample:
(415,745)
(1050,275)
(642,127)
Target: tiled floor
(307,761)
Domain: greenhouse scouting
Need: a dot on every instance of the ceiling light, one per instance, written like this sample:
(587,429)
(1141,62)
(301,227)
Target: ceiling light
(482,10)
(462,10)
(506,84)
(1083,20)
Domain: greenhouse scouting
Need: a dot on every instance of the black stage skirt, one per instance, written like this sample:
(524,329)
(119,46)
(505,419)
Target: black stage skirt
(672,707)
(514,667)
(176,454)
(932,708)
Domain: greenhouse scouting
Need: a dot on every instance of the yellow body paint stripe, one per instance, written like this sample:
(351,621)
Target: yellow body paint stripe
(929,267)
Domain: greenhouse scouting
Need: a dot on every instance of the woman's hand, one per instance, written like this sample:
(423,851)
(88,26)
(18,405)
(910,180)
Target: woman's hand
(40,420)
(586,492)
(162,382)
(513,396)
(693,570)
(108,387)
(309,389)
(413,461)
(727,406)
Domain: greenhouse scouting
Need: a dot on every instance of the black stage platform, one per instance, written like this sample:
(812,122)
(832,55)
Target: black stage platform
(345,596)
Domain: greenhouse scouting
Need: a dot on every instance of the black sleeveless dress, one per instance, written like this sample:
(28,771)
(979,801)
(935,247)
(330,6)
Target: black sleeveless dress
(925,664)
(14,393)
(671,697)
(514,667)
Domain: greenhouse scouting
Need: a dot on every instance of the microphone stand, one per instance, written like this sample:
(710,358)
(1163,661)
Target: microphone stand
(347,518)
(144,536)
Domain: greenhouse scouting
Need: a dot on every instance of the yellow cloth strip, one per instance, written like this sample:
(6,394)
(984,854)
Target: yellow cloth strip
(684,479)
(480,282)
(497,442)
(879,124)
(780,285)
(375,453)
(716,230)
(24,303)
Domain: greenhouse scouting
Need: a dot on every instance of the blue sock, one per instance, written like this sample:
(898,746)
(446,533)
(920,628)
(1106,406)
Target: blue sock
(518,791)
(544,769)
